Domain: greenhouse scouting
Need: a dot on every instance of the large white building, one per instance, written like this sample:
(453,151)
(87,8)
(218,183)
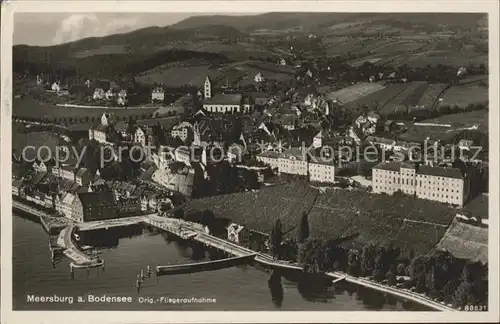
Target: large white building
(443,184)
(270,158)
(294,161)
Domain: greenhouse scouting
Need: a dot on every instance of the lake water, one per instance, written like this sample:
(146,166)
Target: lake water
(237,288)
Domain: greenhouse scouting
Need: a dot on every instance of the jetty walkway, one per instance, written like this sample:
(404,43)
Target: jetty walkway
(79,258)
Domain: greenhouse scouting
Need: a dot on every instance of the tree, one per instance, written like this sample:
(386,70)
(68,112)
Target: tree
(179,213)
(353,264)
(303,230)
(391,275)
(418,273)
(275,239)
(431,282)
(367,260)
(379,265)
(464,295)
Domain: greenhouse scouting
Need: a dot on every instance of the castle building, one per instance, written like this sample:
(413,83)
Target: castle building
(443,184)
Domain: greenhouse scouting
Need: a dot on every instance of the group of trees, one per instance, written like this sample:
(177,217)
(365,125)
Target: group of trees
(225,178)
(440,276)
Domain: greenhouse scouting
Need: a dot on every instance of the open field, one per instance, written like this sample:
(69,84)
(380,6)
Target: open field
(458,122)
(335,213)
(355,91)
(466,241)
(465,95)
(430,95)
(175,77)
(454,58)
(103,50)
(420,133)
(399,46)
(409,96)
(474,79)
(465,119)
(377,99)
(30,108)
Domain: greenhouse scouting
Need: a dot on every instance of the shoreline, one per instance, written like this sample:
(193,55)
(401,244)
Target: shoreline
(407,295)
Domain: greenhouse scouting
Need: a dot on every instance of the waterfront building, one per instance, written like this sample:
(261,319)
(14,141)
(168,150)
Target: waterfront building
(238,234)
(92,206)
(65,203)
(444,184)
(128,205)
(17,187)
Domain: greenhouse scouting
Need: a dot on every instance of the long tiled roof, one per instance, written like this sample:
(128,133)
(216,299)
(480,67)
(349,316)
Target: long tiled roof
(389,166)
(96,199)
(224,99)
(440,172)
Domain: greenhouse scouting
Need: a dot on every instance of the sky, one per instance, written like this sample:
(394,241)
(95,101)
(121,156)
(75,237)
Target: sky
(44,29)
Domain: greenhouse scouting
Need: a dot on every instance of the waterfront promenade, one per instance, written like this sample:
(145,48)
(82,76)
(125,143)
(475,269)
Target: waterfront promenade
(188,230)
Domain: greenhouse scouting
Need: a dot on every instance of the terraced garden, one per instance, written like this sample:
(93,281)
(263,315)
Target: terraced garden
(336,213)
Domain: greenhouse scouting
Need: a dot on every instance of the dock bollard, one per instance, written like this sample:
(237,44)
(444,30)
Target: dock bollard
(71,271)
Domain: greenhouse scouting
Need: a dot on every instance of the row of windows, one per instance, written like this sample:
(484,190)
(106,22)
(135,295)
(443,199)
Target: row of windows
(223,108)
(434,195)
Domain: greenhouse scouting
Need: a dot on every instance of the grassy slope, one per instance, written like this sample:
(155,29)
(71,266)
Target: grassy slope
(465,94)
(34,109)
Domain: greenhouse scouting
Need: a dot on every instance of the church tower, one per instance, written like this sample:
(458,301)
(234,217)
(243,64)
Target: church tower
(207,88)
